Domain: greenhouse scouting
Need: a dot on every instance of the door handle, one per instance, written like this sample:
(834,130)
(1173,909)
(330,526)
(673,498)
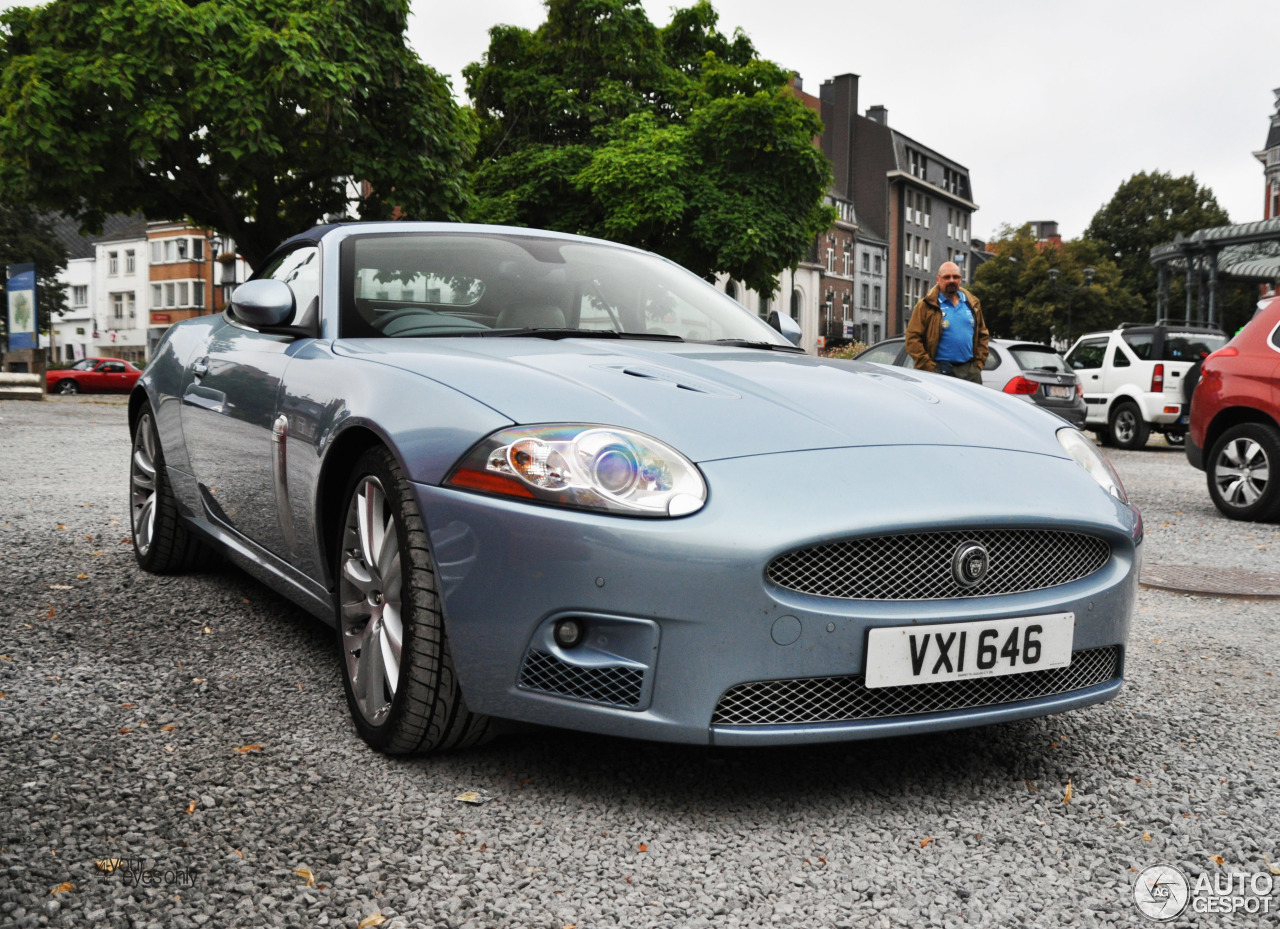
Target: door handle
(200,368)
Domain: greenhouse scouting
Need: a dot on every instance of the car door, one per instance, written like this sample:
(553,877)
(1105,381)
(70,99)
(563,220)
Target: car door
(1086,360)
(95,378)
(229,410)
(115,377)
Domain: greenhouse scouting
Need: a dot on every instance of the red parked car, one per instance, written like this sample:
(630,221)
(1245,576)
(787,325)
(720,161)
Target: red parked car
(93,375)
(1235,420)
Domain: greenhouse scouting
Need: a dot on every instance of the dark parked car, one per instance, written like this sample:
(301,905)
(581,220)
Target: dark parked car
(1034,372)
(540,477)
(93,375)
(1235,420)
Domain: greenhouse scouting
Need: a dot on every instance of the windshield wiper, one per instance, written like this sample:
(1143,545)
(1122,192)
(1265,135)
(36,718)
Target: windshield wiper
(748,343)
(575,334)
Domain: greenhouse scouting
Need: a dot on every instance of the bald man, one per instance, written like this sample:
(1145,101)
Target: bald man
(946,333)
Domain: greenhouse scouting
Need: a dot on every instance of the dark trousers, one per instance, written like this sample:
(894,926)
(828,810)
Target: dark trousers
(965,370)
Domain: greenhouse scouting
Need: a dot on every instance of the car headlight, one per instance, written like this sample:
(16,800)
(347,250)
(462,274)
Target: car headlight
(1083,453)
(600,468)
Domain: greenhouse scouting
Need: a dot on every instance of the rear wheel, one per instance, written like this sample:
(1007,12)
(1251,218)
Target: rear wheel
(161,543)
(1128,430)
(397,668)
(67,386)
(1244,472)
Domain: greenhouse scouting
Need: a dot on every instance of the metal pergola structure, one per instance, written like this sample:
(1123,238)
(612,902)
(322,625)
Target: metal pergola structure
(1248,253)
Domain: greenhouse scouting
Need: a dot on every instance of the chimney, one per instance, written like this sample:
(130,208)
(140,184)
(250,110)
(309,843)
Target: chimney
(879,114)
(839,98)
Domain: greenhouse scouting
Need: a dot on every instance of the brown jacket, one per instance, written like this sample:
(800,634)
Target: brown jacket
(925,329)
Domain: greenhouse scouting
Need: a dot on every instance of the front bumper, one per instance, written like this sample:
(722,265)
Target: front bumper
(682,609)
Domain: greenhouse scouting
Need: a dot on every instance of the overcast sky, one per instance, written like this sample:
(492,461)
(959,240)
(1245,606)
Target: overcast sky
(1050,105)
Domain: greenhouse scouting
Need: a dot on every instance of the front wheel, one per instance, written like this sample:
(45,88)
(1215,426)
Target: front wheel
(1128,430)
(161,543)
(67,386)
(1175,437)
(398,672)
(1239,472)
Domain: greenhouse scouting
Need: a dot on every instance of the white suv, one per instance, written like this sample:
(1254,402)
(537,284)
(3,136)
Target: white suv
(1133,377)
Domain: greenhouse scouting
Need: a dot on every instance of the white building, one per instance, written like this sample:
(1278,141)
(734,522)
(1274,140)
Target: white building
(73,333)
(797,296)
(121,283)
(97,290)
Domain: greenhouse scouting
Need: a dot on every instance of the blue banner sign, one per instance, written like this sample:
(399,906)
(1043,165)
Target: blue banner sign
(24,321)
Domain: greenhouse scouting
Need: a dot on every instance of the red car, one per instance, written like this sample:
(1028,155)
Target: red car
(1235,420)
(93,375)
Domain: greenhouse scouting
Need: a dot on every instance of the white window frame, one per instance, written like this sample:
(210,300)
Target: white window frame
(130,261)
(113,264)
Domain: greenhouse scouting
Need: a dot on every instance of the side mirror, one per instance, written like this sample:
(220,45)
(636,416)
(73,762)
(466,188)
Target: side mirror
(263,303)
(789,328)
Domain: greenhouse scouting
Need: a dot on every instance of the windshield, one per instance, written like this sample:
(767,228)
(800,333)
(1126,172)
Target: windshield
(449,284)
(1038,357)
(86,365)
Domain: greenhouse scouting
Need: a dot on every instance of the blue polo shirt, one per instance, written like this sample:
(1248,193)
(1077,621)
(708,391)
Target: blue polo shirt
(956,343)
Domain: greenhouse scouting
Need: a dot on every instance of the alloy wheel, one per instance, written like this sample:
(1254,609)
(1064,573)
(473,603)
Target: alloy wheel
(1241,472)
(370,596)
(142,485)
(1126,425)
(68,386)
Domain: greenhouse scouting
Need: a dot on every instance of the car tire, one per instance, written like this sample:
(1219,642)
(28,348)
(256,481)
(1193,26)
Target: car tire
(1175,437)
(386,588)
(1126,428)
(66,386)
(1233,467)
(161,543)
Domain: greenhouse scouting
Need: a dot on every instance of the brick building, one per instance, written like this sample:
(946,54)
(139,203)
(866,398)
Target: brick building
(905,194)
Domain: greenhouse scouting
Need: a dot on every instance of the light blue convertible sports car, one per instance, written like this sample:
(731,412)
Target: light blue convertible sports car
(539,477)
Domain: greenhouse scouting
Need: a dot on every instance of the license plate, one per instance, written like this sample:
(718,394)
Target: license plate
(1059,393)
(902,655)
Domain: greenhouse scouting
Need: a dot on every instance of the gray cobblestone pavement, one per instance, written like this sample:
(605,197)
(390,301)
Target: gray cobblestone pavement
(125,698)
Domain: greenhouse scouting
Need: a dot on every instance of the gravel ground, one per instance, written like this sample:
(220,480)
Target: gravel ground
(125,698)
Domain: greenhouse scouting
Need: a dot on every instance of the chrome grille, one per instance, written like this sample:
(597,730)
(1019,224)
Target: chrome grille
(918,566)
(843,699)
(613,685)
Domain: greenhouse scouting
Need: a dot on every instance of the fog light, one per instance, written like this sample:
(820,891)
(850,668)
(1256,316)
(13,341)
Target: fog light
(568,633)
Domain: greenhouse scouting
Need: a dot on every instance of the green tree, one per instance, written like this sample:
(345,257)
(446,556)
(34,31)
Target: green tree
(27,236)
(1149,210)
(1021,301)
(675,139)
(255,117)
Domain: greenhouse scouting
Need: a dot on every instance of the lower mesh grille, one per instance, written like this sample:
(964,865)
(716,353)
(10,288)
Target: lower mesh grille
(612,685)
(842,699)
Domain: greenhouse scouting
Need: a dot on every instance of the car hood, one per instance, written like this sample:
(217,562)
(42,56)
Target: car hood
(714,402)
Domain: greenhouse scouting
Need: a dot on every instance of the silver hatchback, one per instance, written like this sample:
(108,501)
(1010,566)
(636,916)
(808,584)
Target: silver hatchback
(1035,372)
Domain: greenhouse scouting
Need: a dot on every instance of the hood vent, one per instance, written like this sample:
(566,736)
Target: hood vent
(674,380)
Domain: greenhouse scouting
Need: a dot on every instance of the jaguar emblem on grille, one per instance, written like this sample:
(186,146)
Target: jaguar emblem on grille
(969,564)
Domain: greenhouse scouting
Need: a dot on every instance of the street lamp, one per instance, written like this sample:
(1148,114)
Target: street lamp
(215,246)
